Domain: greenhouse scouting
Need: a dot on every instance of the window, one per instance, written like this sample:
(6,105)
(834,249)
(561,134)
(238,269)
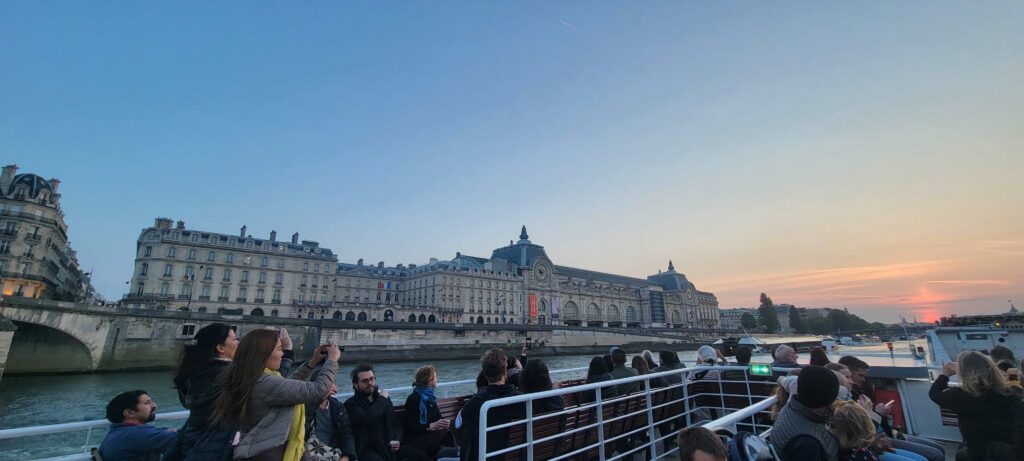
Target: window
(26,268)
(188,330)
(263,277)
(142,289)
(30,251)
(211,256)
(316,267)
(189,271)
(279,279)
(245,276)
(305,266)
(165,289)
(192,254)
(224,293)
(315,280)
(209,274)
(227,275)
(145,269)
(260,293)
(195,237)
(263,261)
(277,295)
(242,293)
(11,227)
(303,283)
(149,252)
(280,262)
(312,298)
(186,290)
(230,258)
(172,252)
(302,297)
(205,291)
(248,243)
(168,270)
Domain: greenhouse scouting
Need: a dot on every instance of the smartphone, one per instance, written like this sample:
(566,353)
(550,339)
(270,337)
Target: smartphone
(889,403)
(529,343)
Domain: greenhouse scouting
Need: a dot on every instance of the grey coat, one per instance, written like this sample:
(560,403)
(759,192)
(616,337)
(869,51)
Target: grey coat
(272,405)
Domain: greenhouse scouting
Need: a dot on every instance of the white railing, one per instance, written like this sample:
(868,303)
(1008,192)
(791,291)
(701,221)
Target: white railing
(7,434)
(630,438)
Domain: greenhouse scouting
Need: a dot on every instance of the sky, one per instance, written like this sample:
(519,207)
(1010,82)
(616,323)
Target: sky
(867,155)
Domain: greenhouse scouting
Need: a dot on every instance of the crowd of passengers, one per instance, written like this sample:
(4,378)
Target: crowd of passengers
(250,400)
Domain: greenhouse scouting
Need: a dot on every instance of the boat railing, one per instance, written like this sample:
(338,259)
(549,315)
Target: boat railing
(616,427)
(445,389)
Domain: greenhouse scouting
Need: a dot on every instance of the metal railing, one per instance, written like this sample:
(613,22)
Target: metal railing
(445,390)
(639,416)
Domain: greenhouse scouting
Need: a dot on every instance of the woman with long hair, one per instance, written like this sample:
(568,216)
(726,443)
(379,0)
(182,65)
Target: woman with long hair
(423,427)
(196,380)
(983,403)
(268,409)
(598,372)
(537,378)
(819,357)
(855,432)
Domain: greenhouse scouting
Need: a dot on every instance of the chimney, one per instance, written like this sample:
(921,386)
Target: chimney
(360,262)
(380,265)
(162,223)
(273,236)
(55,185)
(181,224)
(412,266)
(295,238)
(241,232)
(8,176)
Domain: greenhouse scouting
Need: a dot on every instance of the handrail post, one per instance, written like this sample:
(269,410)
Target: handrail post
(482,436)
(686,396)
(600,423)
(750,398)
(651,431)
(529,431)
(721,392)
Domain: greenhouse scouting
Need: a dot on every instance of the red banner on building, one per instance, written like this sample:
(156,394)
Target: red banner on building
(533,306)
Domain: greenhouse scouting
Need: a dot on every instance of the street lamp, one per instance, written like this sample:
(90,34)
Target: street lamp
(191,289)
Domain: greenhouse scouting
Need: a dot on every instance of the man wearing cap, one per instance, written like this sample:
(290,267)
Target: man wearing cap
(801,429)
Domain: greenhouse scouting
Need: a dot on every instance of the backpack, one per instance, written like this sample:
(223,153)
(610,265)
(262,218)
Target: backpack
(745,446)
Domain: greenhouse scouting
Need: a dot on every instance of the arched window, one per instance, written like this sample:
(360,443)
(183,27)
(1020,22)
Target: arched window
(309,316)
(632,317)
(362,316)
(571,314)
(202,309)
(423,318)
(432,319)
(337,315)
(614,316)
(412,318)
(273,313)
(471,319)
(389,315)
(594,318)
(541,320)
(257,312)
(677,318)
(479,320)
(350,316)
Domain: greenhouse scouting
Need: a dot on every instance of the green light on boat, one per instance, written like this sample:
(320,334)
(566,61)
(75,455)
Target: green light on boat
(760,369)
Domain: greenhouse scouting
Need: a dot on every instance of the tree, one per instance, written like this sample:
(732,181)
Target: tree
(796,322)
(768,317)
(748,321)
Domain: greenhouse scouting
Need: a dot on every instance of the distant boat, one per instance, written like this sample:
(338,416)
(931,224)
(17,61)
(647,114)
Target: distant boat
(764,346)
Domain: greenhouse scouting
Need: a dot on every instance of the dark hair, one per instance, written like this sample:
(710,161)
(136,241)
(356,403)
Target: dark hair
(640,365)
(361,368)
(743,354)
(666,358)
(619,357)
(1001,353)
(691,439)
(494,364)
(196,355)
(512,362)
(232,406)
(481,381)
(597,367)
(608,361)
(853,363)
(423,374)
(535,377)
(123,401)
(819,357)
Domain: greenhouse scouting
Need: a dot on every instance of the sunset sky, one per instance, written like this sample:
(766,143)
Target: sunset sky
(867,155)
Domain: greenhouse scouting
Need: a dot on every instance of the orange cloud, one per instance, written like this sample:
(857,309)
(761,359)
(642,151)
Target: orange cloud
(968,282)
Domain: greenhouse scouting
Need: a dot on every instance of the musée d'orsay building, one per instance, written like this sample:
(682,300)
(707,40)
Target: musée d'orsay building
(181,268)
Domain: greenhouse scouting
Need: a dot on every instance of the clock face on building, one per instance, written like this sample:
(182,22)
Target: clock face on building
(542,272)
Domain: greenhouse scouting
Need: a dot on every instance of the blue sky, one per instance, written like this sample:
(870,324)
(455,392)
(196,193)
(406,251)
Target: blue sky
(759,146)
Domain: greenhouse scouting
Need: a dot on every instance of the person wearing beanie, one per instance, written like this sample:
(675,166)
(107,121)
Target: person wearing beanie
(801,429)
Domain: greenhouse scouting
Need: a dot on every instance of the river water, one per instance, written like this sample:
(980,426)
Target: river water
(38,400)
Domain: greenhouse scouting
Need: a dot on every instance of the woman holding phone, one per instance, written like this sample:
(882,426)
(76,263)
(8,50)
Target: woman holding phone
(423,427)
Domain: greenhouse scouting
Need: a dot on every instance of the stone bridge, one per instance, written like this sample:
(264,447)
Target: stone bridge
(61,337)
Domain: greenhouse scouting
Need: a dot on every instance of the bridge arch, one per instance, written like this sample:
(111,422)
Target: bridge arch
(39,348)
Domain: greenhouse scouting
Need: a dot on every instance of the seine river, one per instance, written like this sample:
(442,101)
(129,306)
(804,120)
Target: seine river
(36,400)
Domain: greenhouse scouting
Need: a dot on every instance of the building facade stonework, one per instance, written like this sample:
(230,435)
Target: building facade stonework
(36,259)
(517,284)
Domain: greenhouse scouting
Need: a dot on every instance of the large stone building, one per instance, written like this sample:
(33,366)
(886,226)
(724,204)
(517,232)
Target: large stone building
(517,284)
(36,260)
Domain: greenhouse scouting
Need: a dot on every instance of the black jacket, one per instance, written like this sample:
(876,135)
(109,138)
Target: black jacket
(198,395)
(496,440)
(342,435)
(983,420)
(374,424)
(411,426)
(606,392)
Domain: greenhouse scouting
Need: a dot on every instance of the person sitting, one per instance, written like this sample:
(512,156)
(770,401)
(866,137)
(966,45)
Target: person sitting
(700,444)
(196,380)
(129,438)
(819,357)
(514,368)
(642,368)
(855,432)
(1003,358)
(649,358)
(785,357)
(669,361)
(377,431)
(494,366)
(858,376)
(423,427)
(801,429)
(743,354)
(622,371)
(984,404)
(535,377)
(596,373)
(330,424)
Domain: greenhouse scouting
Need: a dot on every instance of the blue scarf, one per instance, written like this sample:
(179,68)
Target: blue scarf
(427,399)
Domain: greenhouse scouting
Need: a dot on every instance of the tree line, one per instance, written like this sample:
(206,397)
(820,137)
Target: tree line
(767,320)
